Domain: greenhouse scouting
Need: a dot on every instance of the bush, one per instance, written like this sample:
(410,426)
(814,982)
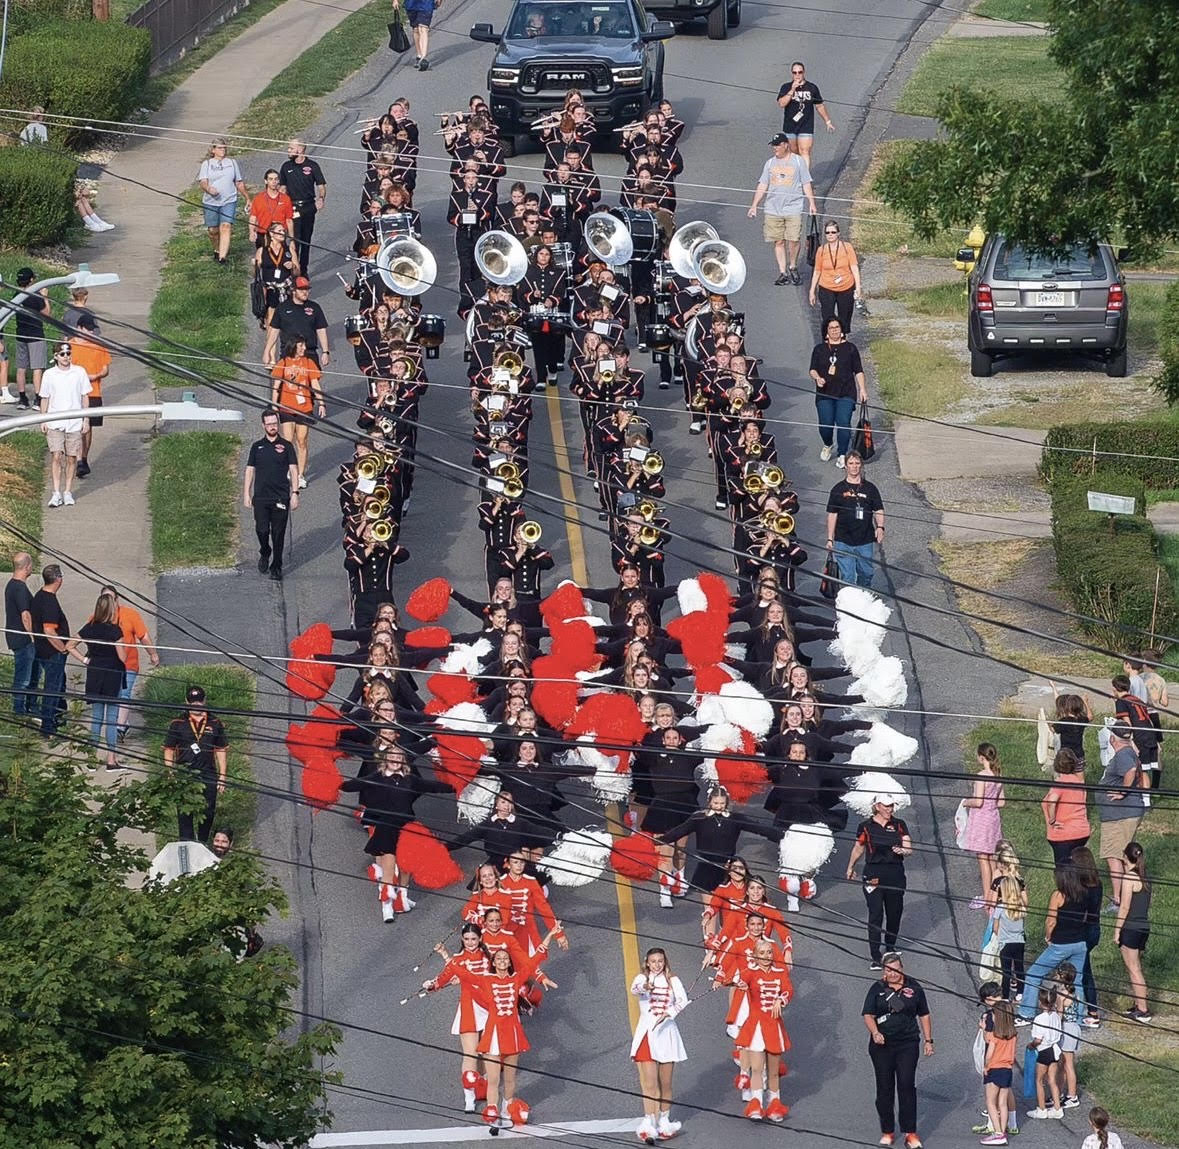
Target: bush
(93,71)
(25,15)
(1167,381)
(1068,450)
(37,191)
(1110,576)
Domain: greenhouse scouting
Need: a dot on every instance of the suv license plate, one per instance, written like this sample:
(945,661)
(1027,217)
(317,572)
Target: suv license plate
(1054,298)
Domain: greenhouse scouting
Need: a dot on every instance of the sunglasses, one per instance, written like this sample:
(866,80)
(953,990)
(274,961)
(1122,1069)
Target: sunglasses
(63,354)
(796,71)
(832,231)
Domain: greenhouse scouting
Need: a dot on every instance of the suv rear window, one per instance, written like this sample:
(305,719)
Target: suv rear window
(610,20)
(1015,262)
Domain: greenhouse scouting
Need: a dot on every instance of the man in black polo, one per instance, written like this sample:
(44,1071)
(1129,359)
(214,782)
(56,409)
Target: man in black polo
(302,179)
(18,634)
(300,317)
(272,490)
(196,740)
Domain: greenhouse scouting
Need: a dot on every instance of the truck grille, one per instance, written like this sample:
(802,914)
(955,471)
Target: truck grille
(555,75)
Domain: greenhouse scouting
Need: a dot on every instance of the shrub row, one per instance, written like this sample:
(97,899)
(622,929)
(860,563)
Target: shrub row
(77,68)
(36,194)
(1068,450)
(1167,381)
(25,15)
(1110,576)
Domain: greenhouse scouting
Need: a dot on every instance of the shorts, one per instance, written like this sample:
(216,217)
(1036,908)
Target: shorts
(1047,1056)
(776,228)
(1070,1037)
(67,442)
(794,136)
(419,19)
(32,353)
(215,216)
(294,417)
(998,1077)
(1116,836)
(1134,939)
(94,401)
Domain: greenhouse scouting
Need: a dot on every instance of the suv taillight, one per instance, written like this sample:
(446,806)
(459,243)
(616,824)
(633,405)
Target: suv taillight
(1116,300)
(984,300)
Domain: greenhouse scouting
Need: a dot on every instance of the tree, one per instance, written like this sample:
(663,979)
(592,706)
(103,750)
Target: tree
(128,1017)
(1103,164)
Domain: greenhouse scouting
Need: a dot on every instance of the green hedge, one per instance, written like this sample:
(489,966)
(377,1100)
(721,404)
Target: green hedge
(1110,576)
(1167,381)
(25,15)
(36,194)
(77,69)
(1153,437)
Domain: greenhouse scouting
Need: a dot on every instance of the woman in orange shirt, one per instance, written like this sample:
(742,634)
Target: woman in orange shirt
(296,389)
(1065,807)
(835,282)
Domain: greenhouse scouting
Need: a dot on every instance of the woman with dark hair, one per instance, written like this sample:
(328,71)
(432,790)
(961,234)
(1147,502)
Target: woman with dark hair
(1133,927)
(1083,861)
(105,652)
(657,1045)
(1065,807)
(1064,931)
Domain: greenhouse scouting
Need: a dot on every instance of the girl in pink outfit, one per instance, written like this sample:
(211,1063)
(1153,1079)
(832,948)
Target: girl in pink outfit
(983,825)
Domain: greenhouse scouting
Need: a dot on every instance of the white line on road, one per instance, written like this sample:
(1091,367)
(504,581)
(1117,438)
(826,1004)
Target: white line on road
(472,1132)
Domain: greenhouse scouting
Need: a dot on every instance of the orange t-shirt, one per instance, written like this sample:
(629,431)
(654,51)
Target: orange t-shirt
(1072,815)
(267,210)
(133,628)
(834,263)
(94,359)
(1002,1050)
(299,375)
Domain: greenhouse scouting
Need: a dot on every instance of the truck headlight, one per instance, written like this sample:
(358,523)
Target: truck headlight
(628,76)
(504,76)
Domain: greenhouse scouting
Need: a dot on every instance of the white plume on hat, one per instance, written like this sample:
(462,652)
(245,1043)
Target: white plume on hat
(882,683)
(804,848)
(477,800)
(740,704)
(875,786)
(884,748)
(578,857)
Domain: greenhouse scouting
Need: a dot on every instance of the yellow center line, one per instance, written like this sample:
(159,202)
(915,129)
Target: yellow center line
(622,886)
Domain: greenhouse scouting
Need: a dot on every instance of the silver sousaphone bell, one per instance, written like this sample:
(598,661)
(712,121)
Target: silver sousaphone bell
(500,257)
(406,265)
(684,242)
(608,239)
(719,266)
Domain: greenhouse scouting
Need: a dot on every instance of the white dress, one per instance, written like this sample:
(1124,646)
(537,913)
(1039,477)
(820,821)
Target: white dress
(658,1006)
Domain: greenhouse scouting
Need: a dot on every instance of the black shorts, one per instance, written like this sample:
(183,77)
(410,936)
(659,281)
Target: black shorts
(1134,939)
(420,19)
(294,417)
(1000,1077)
(94,401)
(1046,1056)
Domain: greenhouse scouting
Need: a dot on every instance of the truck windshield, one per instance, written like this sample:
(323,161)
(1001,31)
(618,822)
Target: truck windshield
(611,20)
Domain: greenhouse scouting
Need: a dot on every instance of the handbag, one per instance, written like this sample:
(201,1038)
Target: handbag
(813,239)
(257,298)
(862,440)
(961,818)
(829,583)
(398,37)
(989,966)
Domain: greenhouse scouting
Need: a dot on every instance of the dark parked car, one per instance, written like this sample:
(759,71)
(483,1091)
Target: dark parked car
(611,51)
(720,14)
(1021,301)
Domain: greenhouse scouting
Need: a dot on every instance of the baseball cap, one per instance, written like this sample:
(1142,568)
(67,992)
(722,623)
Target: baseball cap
(302,281)
(1126,733)
(25,276)
(779,138)
(194,694)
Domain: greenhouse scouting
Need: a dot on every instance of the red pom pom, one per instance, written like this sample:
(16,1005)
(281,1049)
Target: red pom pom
(319,733)
(428,636)
(459,756)
(716,590)
(425,859)
(435,706)
(554,693)
(321,779)
(451,688)
(634,857)
(429,601)
(306,677)
(742,778)
(565,602)
(701,635)
(574,645)
(614,718)
(709,679)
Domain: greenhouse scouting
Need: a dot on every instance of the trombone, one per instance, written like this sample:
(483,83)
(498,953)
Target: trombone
(649,535)
(647,510)
(530,532)
(778,523)
(508,472)
(375,509)
(369,467)
(653,463)
(774,476)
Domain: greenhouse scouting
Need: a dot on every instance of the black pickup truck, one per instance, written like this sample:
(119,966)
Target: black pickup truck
(610,50)
(720,14)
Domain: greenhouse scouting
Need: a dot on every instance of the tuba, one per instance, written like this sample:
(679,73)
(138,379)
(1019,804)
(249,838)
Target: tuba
(406,265)
(609,239)
(500,257)
(719,266)
(684,242)
(530,532)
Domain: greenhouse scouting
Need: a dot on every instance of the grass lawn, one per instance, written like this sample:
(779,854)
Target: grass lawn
(940,301)
(22,489)
(917,378)
(1143,1098)
(879,228)
(999,65)
(1034,10)
(1146,310)
(226,688)
(193,492)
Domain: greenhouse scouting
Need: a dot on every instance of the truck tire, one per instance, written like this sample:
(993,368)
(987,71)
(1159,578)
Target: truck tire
(513,144)
(718,22)
(1116,365)
(735,15)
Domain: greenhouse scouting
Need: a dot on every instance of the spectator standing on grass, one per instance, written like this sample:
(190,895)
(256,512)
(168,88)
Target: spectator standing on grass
(784,184)
(53,645)
(30,335)
(984,830)
(1085,864)
(78,308)
(18,633)
(197,742)
(269,208)
(1120,806)
(855,523)
(1065,807)
(95,360)
(1064,937)
(135,635)
(1133,928)
(64,387)
(1131,710)
(104,674)
(221,183)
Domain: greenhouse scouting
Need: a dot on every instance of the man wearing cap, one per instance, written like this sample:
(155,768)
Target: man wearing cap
(30,334)
(64,387)
(784,182)
(95,360)
(1121,803)
(272,491)
(196,740)
(298,317)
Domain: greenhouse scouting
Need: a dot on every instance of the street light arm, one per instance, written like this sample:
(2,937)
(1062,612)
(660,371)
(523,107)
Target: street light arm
(191,412)
(83,277)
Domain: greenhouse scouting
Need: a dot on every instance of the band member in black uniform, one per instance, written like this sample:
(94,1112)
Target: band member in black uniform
(526,563)
(369,563)
(197,741)
(544,286)
(640,544)
(272,489)
(469,213)
(302,179)
(476,145)
(499,519)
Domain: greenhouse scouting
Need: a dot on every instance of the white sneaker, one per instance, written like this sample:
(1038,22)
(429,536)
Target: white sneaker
(91,224)
(7,396)
(1038,1114)
(68,498)
(840,462)
(825,453)
(1056,1114)
(103,225)
(646,1130)
(55,499)
(667,1127)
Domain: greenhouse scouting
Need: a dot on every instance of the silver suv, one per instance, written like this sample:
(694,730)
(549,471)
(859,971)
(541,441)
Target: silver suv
(1024,302)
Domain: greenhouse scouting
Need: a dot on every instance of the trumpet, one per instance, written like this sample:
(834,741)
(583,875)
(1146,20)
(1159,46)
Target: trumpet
(774,476)
(653,463)
(369,467)
(530,532)
(754,450)
(649,535)
(737,404)
(507,472)
(513,488)
(382,531)
(606,376)
(699,401)
(386,426)
(374,509)
(647,510)
(778,523)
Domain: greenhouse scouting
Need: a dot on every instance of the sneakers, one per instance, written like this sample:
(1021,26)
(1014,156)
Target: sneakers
(982,1127)
(825,454)
(1020,1022)
(886,1139)
(646,1131)
(776,1111)
(68,499)
(664,385)
(263,564)
(1055,1114)
(782,280)
(668,1128)
(994,1139)
(55,499)
(753,1110)
(83,469)
(840,462)
(1091,1022)
(22,401)
(720,504)
(1142,1015)
(912,1141)
(875,964)
(423,64)
(1038,1114)
(695,428)
(7,396)
(665,902)
(795,278)
(1073,1102)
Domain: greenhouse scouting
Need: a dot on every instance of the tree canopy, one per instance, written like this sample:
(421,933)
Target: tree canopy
(128,1017)
(1103,164)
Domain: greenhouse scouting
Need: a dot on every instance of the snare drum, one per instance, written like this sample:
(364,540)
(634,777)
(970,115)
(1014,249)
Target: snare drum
(664,277)
(431,331)
(355,327)
(657,336)
(644,232)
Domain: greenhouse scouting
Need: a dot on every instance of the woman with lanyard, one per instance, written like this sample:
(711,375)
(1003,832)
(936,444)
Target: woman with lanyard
(838,373)
(835,282)
(657,1045)
(896,1015)
(294,391)
(884,841)
(275,266)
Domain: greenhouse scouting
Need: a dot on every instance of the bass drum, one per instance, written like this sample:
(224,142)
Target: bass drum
(644,232)
(431,331)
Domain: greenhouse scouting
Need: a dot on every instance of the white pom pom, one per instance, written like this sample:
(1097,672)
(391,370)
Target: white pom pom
(690,597)
(466,658)
(578,857)
(860,618)
(884,748)
(466,718)
(593,619)
(883,683)
(875,786)
(804,848)
(735,650)
(476,801)
(740,704)
(607,783)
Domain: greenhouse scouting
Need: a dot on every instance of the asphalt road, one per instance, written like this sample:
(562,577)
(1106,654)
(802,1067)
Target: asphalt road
(398,1062)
